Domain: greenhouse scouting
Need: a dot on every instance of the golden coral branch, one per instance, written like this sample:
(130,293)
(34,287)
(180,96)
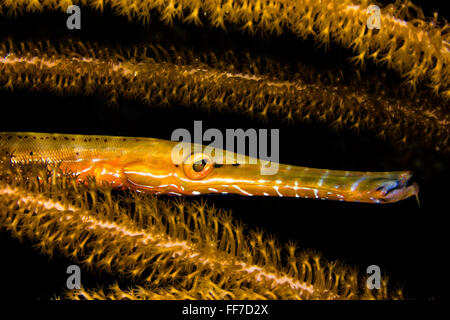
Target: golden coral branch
(84,68)
(417,49)
(205,290)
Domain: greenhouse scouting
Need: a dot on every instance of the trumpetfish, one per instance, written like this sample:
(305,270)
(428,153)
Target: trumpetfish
(146,165)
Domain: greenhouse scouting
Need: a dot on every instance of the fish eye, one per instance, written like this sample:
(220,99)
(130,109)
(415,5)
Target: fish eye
(197,166)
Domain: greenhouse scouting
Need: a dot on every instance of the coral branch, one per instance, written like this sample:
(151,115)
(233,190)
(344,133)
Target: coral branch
(206,290)
(417,49)
(75,68)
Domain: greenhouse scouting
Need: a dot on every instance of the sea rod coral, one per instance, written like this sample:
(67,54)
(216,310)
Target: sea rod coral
(148,75)
(414,47)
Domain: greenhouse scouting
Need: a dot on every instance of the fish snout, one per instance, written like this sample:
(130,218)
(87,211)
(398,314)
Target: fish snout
(398,189)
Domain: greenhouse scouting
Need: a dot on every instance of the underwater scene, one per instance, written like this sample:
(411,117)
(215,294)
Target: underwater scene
(224,150)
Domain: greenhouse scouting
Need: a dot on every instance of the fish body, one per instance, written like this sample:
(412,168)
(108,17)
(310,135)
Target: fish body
(149,165)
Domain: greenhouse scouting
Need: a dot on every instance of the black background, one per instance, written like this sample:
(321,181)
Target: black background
(407,242)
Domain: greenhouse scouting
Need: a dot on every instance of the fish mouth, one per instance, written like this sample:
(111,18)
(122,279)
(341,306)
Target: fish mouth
(398,189)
